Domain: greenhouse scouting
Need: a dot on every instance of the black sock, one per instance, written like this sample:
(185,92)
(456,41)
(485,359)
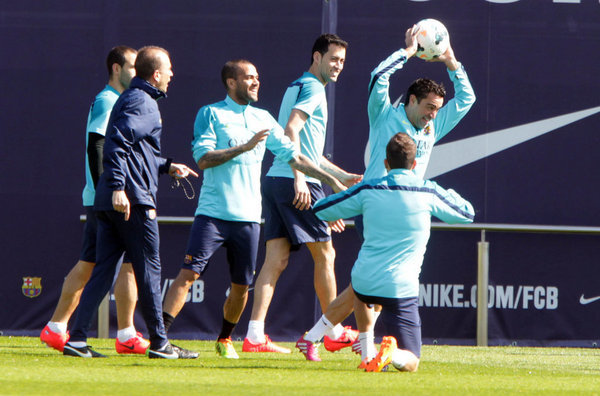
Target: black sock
(227,329)
(168,320)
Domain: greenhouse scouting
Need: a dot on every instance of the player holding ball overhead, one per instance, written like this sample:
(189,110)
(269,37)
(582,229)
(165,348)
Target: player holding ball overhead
(424,117)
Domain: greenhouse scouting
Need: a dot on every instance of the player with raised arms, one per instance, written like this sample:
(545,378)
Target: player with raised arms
(424,117)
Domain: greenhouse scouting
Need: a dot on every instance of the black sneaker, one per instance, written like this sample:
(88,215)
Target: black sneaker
(166,352)
(185,353)
(84,352)
(171,351)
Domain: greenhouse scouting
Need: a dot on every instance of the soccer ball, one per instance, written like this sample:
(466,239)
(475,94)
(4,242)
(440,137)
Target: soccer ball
(432,40)
(400,357)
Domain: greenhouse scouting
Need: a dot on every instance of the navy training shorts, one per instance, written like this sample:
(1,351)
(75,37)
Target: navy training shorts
(401,319)
(283,220)
(238,237)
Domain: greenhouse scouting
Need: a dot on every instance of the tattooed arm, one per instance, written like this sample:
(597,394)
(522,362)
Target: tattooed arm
(218,157)
(306,166)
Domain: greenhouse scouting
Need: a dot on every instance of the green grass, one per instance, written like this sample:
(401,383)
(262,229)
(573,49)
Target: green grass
(27,367)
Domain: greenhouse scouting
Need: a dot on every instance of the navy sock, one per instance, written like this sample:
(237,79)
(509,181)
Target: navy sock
(168,320)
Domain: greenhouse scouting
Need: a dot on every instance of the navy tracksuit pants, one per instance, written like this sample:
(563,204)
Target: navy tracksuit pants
(139,238)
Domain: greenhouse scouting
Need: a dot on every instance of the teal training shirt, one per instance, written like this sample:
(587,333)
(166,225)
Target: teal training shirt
(385,120)
(231,191)
(397,212)
(308,95)
(96,123)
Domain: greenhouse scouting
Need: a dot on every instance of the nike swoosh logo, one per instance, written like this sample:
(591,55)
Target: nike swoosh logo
(453,155)
(585,301)
(128,347)
(229,290)
(87,353)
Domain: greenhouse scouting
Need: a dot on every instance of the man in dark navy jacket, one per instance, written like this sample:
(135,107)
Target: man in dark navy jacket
(125,205)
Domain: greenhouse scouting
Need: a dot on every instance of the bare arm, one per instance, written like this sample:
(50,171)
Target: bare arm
(218,157)
(292,130)
(306,166)
(348,179)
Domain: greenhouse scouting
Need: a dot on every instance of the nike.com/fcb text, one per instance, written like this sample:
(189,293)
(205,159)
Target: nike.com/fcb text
(499,296)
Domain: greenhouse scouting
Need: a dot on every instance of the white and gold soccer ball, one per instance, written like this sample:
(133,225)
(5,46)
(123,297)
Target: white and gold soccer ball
(433,39)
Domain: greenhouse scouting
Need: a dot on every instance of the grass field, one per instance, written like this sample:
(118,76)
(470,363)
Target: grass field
(27,367)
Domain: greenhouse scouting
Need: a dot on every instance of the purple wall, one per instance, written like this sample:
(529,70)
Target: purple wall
(527,62)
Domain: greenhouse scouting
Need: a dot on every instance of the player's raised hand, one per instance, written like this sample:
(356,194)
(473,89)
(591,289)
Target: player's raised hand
(257,138)
(448,58)
(410,38)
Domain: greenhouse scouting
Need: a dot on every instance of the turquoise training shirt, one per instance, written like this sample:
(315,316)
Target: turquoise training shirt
(231,191)
(308,95)
(96,123)
(397,212)
(385,120)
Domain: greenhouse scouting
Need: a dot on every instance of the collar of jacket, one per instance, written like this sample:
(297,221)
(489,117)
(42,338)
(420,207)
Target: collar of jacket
(400,171)
(145,86)
(236,107)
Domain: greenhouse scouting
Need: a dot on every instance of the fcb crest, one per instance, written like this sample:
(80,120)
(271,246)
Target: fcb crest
(427,129)
(32,286)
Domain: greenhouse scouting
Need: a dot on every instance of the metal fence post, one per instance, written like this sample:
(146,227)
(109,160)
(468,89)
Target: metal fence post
(482,290)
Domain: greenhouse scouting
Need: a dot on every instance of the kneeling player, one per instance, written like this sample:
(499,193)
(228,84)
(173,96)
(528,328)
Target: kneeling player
(397,213)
